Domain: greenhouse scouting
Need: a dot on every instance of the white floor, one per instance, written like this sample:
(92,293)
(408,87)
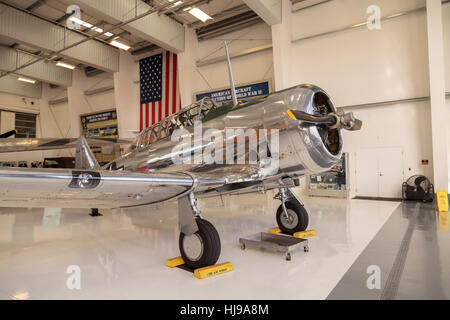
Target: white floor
(122,254)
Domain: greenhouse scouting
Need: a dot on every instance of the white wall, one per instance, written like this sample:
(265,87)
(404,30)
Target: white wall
(361,66)
(250,68)
(446,23)
(406,126)
(79,103)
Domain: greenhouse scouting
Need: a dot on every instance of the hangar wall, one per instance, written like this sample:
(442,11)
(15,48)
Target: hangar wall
(446,23)
(361,66)
(249,68)
(60,120)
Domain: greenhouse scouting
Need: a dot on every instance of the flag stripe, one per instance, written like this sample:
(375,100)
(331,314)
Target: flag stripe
(141,124)
(167,84)
(174,84)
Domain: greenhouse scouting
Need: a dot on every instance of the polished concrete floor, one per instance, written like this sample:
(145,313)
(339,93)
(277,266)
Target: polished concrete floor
(122,254)
(411,254)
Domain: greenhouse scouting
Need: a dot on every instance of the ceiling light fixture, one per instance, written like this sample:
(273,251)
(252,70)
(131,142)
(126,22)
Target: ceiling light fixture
(90,26)
(199,14)
(120,45)
(27,80)
(65,65)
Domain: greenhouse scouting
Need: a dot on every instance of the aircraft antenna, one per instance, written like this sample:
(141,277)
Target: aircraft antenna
(230,73)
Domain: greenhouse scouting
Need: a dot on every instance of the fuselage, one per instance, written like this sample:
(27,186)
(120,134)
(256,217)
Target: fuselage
(303,149)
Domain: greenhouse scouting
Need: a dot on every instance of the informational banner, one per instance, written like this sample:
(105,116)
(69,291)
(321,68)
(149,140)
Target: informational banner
(243,92)
(98,125)
(104,117)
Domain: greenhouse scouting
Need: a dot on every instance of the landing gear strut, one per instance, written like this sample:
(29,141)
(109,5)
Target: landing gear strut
(199,241)
(291,215)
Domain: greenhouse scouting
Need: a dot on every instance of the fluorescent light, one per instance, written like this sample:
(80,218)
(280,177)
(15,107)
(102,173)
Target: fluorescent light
(199,14)
(120,45)
(90,26)
(65,65)
(27,80)
(177,3)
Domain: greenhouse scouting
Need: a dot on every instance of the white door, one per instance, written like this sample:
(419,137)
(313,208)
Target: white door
(390,166)
(367,173)
(379,172)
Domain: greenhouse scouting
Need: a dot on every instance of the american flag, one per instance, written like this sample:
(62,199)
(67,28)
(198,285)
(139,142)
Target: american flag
(160,94)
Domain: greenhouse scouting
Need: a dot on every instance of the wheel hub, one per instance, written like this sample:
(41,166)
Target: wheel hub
(289,221)
(193,247)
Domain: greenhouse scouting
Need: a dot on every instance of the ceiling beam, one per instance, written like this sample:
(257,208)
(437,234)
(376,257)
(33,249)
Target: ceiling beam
(43,70)
(155,28)
(268,10)
(25,28)
(35,5)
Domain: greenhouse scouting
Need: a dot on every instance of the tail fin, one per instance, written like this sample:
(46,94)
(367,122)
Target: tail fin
(84,157)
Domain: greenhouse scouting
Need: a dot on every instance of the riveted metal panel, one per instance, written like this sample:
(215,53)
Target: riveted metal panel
(10,84)
(25,28)
(42,70)
(156,28)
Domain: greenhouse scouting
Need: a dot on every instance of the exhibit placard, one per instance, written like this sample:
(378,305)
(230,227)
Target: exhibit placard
(244,92)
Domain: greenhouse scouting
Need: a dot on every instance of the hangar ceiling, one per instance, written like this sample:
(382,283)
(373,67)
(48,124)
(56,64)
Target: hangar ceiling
(227,16)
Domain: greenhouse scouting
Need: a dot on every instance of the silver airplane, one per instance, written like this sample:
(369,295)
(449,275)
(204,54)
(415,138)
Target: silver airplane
(310,142)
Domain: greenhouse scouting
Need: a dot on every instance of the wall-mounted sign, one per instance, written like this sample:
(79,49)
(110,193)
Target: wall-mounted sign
(100,124)
(244,92)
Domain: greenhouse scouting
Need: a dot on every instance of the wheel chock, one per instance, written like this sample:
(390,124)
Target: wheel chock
(442,200)
(275,230)
(301,234)
(200,273)
(175,262)
(305,234)
(210,271)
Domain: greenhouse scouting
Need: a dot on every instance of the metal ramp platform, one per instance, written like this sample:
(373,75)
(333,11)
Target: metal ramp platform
(275,242)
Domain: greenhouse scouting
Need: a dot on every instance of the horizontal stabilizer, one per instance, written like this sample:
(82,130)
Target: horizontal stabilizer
(36,144)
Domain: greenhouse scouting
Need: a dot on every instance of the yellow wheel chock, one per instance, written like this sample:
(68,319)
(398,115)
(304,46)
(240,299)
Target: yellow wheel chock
(204,272)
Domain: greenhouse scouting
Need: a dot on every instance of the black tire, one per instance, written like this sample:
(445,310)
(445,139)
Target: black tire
(210,242)
(301,215)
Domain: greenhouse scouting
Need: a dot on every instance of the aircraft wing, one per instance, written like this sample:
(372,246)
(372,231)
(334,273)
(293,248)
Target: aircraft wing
(73,188)
(35,144)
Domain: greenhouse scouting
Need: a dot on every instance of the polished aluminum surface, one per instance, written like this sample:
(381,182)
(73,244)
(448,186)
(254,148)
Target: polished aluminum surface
(302,150)
(64,188)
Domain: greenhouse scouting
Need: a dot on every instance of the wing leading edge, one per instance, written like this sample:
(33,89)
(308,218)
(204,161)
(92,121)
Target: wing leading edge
(73,188)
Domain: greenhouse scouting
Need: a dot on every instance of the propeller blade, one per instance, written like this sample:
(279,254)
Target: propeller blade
(309,118)
(346,121)
(8,134)
(357,126)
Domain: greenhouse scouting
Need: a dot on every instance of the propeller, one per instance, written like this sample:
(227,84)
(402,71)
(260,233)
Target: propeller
(332,120)
(8,134)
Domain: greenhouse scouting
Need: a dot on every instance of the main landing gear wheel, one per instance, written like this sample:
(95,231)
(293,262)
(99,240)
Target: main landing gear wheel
(202,248)
(296,220)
